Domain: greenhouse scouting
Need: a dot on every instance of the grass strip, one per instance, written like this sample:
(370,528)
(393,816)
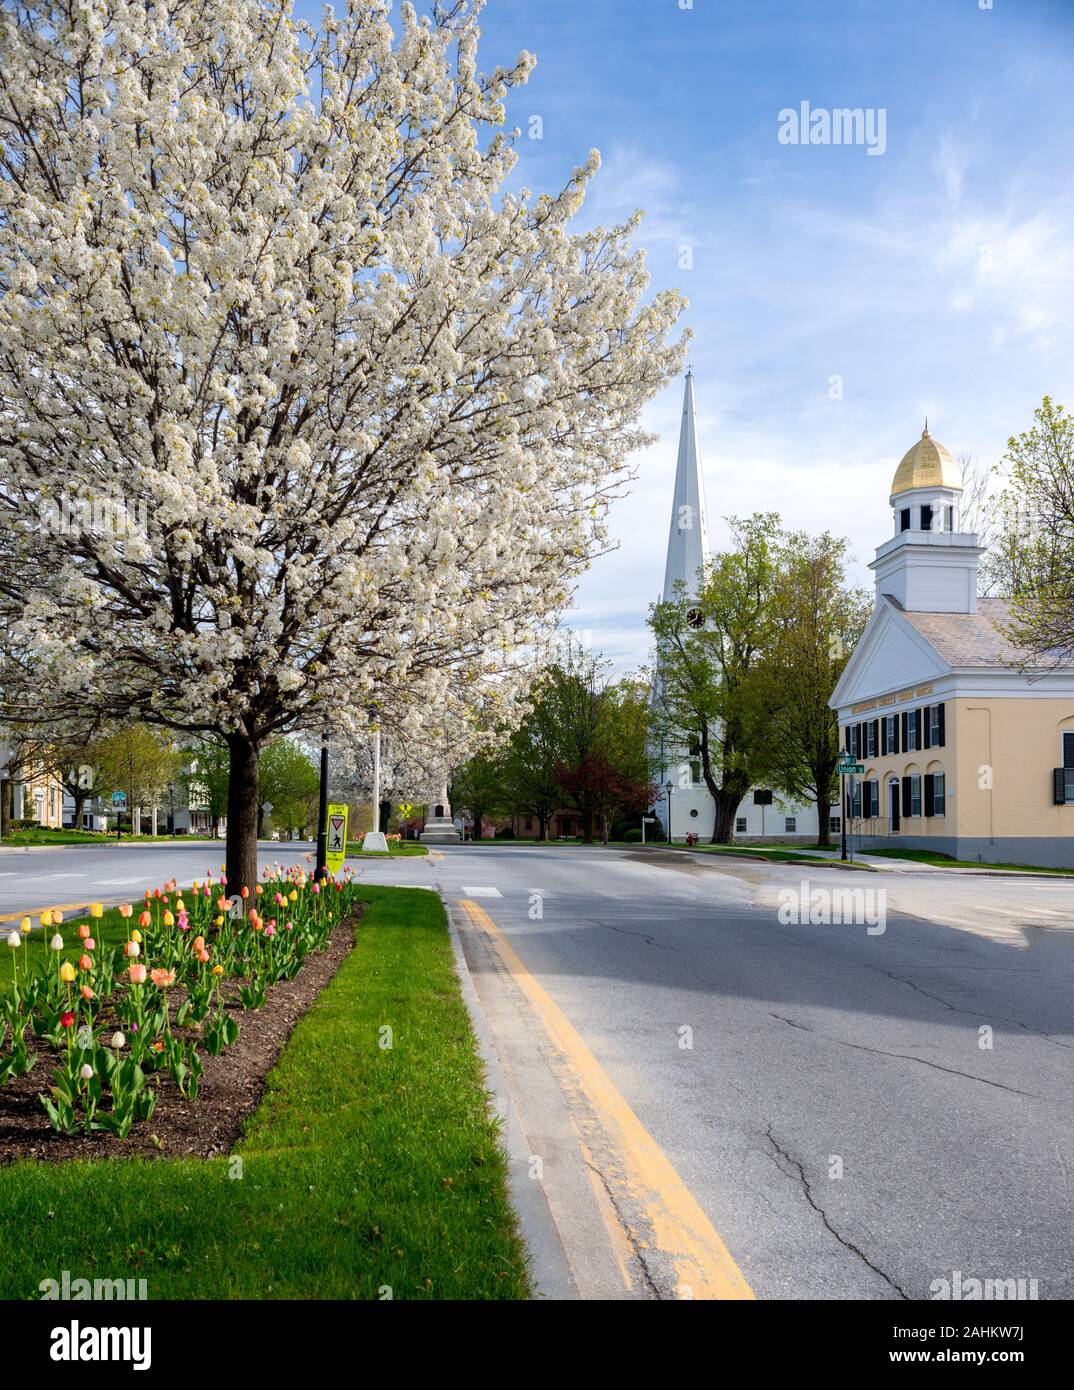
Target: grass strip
(368,1171)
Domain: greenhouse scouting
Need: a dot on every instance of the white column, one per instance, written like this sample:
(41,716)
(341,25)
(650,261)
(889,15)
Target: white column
(136,821)
(376,782)
(153,821)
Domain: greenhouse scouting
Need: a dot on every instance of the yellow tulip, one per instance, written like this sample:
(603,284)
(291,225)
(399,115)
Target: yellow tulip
(67,972)
(169,920)
(136,935)
(292,896)
(24,925)
(46,919)
(96,910)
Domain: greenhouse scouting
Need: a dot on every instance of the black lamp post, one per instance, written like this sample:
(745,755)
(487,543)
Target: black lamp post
(669,788)
(844,799)
(322,812)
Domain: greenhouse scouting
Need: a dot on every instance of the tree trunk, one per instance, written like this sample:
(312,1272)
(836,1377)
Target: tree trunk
(724,821)
(7,802)
(80,805)
(479,816)
(242,805)
(260,821)
(824,836)
(542,828)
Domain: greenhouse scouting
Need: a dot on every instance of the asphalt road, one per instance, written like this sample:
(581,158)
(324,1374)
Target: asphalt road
(847,1110)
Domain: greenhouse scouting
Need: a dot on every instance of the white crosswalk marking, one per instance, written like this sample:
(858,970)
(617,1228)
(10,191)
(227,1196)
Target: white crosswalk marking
(485,892)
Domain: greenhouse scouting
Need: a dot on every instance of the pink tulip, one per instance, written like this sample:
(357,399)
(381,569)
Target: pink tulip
(137,974)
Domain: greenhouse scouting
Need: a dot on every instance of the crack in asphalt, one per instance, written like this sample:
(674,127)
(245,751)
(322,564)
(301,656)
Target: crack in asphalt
(649,940)
(907,1057)
(976,1013)
(627,1229)
(807,1192)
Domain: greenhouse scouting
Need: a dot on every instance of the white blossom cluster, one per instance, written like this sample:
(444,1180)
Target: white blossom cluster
(263,282)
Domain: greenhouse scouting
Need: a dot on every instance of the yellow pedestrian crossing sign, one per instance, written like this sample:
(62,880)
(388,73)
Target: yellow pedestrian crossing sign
(337,838)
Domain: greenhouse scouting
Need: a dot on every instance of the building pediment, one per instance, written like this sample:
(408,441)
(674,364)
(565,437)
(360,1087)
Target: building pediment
(891,656)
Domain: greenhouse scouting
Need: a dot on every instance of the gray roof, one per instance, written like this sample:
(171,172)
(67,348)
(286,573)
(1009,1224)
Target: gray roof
(971,639)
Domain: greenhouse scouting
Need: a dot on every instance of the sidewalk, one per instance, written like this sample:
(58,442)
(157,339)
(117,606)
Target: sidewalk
(889,864)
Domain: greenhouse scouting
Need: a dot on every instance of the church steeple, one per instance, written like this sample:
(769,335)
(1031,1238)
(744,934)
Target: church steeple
(688,537)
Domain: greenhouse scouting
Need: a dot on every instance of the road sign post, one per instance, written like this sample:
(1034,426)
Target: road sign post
(336,847)
(846,767)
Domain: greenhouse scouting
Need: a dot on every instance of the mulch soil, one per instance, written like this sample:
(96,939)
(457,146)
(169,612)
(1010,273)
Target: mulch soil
(231,1084)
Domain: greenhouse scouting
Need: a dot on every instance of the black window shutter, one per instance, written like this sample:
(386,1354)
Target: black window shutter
(876,733)
(895,735)
(883,737)
(905,721)
(1060,786)
(927,794)
(905,794)
(923,715)
(943,727)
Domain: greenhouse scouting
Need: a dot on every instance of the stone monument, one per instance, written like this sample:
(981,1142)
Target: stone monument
(440,829)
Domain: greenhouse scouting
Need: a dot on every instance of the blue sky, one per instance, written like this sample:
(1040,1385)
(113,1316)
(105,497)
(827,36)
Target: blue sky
(935,278)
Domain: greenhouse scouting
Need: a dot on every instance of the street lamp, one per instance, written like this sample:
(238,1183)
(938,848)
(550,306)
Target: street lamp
(322,811)
(669,788)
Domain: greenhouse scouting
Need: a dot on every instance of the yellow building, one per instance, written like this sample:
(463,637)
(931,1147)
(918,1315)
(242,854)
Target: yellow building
(967,749)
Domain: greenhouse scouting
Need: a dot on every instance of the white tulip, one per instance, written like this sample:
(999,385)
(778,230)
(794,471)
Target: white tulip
(85,1071)
(14,939)
(118,1040)
(57,942)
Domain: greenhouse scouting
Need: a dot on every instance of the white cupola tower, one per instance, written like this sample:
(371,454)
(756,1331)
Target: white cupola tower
(929,565)
(688,536)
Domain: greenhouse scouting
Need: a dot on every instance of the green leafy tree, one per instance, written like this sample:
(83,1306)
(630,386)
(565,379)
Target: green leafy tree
(140,761)
(479,787)
(1035,547)
(816,620)
(289,782)
(206,778)
(704,692)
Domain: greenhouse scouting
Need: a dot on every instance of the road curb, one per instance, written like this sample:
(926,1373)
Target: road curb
(548,1263)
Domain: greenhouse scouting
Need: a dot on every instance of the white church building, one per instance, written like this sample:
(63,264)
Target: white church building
(762,815)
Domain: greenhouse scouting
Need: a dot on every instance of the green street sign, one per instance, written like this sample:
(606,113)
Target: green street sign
(849,769)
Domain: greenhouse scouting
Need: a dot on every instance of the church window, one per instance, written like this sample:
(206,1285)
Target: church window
(904,519)
(871,730)
(740,825)
(950,512)
(926,518)
(1068,748)
(835,825)
(789,824)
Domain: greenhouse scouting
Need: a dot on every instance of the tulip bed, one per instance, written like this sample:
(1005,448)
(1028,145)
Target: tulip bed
(367,1171)
(100,1018)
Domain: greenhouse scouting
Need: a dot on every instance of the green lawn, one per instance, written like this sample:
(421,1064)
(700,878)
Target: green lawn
(44,836)
(927,856)
(364,1169)
(396,848)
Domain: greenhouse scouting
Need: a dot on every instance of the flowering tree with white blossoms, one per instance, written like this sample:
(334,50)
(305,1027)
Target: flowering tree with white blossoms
(354,410)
